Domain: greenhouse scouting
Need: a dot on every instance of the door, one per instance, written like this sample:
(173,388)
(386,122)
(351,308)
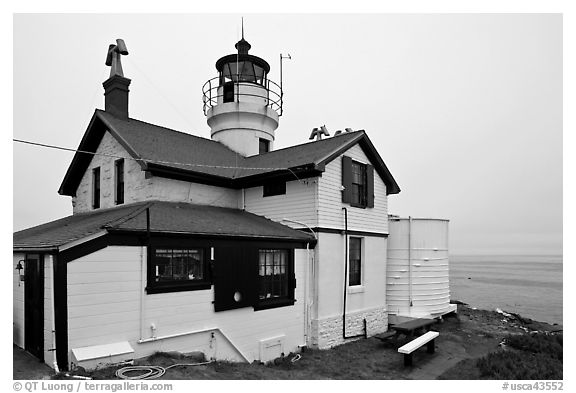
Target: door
(34,305)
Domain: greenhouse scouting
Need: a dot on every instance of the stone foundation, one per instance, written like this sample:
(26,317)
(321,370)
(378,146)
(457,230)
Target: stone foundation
(327,332)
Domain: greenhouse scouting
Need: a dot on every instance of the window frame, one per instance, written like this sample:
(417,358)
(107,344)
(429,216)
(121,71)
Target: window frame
(265,143)
(96,188)
(363,187)
(290,283)
(119,186)
(274,188)
(359,261)
(153,287)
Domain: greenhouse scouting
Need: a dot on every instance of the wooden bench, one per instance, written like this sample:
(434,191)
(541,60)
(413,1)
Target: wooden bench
(426,338)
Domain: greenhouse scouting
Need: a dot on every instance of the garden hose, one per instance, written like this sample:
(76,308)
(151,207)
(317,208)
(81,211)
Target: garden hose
(149,372)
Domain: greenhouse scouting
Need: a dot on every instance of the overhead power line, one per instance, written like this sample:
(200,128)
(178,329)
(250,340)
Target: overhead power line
(151,161)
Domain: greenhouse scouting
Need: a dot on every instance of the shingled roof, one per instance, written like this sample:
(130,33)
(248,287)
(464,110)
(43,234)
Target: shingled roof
(165,218)
(169,153)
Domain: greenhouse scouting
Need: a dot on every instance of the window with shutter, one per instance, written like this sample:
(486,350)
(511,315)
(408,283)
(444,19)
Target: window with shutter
(357,183)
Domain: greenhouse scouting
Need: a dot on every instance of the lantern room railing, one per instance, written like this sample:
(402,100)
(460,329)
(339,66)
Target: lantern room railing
(271,93)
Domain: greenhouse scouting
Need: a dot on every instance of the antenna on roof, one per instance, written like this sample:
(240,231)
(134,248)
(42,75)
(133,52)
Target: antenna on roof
(242,27)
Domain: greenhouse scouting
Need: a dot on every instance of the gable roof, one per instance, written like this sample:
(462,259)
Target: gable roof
(169,153)
(165,217)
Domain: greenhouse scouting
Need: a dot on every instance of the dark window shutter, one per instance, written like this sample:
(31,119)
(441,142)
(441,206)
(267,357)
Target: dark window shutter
(369,186)
(346,179)
(235,270)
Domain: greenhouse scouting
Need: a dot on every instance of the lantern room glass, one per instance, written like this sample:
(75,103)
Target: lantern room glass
(242,71)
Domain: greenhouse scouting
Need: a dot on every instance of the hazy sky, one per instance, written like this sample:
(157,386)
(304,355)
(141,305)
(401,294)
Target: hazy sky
(465,109)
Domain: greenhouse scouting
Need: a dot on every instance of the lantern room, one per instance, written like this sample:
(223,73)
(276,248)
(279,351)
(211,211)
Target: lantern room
(242,104)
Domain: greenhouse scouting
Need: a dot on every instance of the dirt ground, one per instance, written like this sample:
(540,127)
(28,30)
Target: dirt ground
(26,366)
(464,337)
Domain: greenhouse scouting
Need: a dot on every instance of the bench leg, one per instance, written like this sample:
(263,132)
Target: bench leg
(430,347)
(407,360)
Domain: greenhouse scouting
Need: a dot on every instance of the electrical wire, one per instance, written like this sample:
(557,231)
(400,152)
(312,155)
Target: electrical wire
(148,160)
(160,92)
(150,372)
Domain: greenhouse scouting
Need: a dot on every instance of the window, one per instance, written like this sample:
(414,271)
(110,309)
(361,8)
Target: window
(96,188)
(119,181)
(178,269)
(355,261)
(359,189)
(276,281)
(357,183)
(229,92)
(264,146)
(274,188)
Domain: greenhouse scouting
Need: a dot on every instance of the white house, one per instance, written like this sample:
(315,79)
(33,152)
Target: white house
(221,245)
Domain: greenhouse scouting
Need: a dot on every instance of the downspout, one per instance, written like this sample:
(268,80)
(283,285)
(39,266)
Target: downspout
(365,334)
(410,263)
(53,311)
(143,268)
(307,305)
(142,289)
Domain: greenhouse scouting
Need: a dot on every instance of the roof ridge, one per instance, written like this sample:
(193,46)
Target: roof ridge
(303,144)
(159,126)
(172,130)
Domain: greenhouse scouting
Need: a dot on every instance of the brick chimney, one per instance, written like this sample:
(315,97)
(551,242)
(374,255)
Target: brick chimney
(116,96)
(116,87)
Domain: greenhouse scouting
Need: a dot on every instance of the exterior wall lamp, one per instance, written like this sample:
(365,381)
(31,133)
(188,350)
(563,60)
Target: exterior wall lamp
(19,267)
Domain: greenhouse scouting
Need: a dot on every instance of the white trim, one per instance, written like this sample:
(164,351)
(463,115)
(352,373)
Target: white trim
(75,243)
(356,289)
(152,339)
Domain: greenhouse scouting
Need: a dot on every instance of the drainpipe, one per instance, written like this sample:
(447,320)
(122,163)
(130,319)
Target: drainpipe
(410,263)
(142,289)
(365,334)
(308,304)
(52,310)
(143,268)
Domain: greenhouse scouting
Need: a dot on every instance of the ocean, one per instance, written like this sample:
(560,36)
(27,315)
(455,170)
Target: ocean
(524,284)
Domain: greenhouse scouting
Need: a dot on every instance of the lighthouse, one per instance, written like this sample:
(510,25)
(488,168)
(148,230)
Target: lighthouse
(242,105)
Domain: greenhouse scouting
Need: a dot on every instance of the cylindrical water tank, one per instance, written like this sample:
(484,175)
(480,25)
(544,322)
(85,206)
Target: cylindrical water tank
(417,283)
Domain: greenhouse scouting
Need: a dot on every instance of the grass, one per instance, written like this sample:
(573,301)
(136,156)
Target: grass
(362,359)
(464,338)
(537,356)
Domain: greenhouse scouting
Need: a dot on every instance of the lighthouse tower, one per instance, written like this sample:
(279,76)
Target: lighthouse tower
(241,104)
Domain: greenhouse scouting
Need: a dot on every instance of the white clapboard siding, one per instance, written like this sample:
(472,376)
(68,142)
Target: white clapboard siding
(298,204)
(96,288)
(99,309)
(113,314)
(330,214)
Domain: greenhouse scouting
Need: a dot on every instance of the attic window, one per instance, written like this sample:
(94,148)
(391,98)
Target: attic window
(359,190)
(96,188)
(119,181)
(357,183)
